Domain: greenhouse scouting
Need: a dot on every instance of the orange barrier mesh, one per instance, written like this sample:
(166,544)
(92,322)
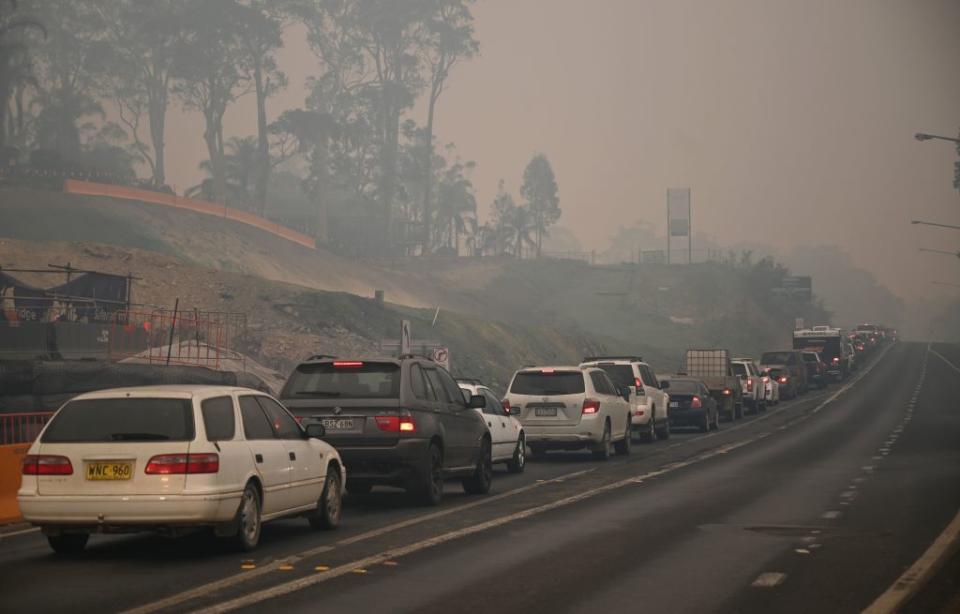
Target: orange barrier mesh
(10,459)
(89,188)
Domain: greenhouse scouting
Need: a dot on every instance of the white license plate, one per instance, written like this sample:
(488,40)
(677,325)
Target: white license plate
(674,404)
(334,425)
(546,411)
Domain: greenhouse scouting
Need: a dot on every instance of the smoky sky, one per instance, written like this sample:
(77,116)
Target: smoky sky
(791,121)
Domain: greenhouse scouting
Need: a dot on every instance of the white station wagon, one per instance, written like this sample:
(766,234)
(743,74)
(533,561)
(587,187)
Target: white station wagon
(174,458)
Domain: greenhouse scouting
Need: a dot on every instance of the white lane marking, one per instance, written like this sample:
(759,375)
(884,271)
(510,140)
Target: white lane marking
(940,356)
(21,532)
(831,514)
(769,579)
(229,581)
(801,551)
(240,578)
(308,581)
(919,573)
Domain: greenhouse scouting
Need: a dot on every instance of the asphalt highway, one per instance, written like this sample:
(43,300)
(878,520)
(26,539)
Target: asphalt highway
(819,504)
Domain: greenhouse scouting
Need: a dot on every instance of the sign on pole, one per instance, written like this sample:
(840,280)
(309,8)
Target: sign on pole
(441,356)
(678,219)
(404,337)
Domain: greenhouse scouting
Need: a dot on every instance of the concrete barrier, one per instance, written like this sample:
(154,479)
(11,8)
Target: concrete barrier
(90,188)
(10,459)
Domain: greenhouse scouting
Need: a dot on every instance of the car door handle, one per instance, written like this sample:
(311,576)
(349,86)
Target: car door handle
(293,456)
(259,458)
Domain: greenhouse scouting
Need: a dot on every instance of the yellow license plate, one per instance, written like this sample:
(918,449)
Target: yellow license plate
(109,471)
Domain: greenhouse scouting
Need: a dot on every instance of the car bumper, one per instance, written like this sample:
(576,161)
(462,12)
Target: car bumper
(393,465)
(138,510)
(640,415)
(687,417)
(562,438)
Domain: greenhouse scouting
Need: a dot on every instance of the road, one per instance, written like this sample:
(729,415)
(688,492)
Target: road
(818,505)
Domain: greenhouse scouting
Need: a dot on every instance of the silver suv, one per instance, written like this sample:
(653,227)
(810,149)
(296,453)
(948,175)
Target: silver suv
(571,408)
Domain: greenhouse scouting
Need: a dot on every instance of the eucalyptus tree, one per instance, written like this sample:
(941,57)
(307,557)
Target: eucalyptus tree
(540,191)
(16,71)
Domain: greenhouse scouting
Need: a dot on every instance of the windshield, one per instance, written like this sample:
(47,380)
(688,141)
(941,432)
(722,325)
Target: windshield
(345,380)
(683,386)
(134,420)
(775,358)
(548,384)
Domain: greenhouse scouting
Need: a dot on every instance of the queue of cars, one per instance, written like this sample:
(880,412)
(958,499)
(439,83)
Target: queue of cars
(175,459)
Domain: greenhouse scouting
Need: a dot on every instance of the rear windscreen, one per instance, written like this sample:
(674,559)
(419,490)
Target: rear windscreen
(101,420)
(683,387)
(351,380)
(548,384)
(622,375)
(775,358)
(739,369)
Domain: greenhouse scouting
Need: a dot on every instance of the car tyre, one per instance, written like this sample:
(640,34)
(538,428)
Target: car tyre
(602,451)
(248,521)
(430,488)
(479,482)
(624,445)
(716,421)
(664,431)
(519,461)
(330,506)
(68,543)
(649,434)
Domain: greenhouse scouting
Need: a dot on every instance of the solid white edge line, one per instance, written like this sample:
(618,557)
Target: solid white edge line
(21,532)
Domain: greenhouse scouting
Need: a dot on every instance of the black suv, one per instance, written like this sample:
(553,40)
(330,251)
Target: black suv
(395,422)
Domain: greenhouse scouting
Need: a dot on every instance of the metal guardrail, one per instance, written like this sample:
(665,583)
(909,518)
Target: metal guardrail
(22,428)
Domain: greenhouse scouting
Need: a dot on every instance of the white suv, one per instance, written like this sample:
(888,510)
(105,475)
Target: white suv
(506,433)
(649,403)
(751,383)
(570,408)
(173,458)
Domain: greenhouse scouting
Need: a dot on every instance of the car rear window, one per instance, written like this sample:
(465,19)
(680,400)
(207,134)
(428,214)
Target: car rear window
(739,368)
(679,386)
(776,358)
(345,380)
(125,419)
(622,375)
(547,384)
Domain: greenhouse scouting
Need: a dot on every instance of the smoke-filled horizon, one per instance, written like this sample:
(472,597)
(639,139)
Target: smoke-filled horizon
(792,122)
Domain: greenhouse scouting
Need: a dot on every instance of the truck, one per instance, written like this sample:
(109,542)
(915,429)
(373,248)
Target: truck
(832,345)
(713,368)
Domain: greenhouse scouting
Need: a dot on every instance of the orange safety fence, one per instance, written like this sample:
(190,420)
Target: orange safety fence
(17,432)
(90,188)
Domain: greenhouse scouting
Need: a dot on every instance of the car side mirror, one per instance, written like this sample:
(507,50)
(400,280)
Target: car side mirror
(315,430)
(477,402)
(664,385)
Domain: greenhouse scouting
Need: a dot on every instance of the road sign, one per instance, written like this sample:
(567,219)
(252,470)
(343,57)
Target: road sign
(404,337)
(798,324)
(441,356)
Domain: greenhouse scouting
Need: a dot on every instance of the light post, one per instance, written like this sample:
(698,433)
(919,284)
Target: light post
(945,283)
(934,224)
(940,251)
(923,136)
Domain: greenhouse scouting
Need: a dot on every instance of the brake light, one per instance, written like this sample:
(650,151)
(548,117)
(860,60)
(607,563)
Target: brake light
(169,464)
(836,359)
(695,403)
(727,392)
(783,380)
(548,371)
(346,364)
(750,385)
(590,406)
(765,379)
(506,405)
(396,424)
(639,384)
(46,464)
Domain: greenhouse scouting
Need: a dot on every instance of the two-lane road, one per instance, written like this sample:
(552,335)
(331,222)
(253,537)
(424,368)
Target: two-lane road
(819,504)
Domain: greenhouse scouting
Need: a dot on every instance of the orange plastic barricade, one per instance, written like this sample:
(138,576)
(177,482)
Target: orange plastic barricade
(90,188)
(10,458)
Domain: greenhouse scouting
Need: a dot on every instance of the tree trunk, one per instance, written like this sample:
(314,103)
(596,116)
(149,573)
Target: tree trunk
(428,181)
(262,178)
(212,135)
(157,115)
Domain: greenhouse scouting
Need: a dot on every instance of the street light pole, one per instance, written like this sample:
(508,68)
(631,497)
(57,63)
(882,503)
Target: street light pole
(945,283)
(922,136)
(940,251)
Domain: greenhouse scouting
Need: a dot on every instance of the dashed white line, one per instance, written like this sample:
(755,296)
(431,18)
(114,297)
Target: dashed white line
(769,579)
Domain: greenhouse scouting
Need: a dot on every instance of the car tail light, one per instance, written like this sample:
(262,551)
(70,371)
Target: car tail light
(695,403)
(548,371)
(727,392)
(836,359)
(783,380)
(765,379)
(396,424)
(639,385)
(46,464)
(506,405)
(167,464)
(590,406)
(347,364)
(750,385)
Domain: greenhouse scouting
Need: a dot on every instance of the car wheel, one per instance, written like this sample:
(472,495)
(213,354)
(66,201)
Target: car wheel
(248,520)
(716,421)
(763,407)
(649,434)
(737,411)
(623,446)
(69,543)
(329,507)
(431,481)
(359,488)
(602,451)
(479,482)
(664,431)
(519,461)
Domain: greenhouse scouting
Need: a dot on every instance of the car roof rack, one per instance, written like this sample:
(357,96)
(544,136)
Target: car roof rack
(597,358)
(321,356)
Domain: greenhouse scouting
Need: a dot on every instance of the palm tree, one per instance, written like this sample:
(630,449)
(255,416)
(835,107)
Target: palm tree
(521,224)
(456,206)
(241,165)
